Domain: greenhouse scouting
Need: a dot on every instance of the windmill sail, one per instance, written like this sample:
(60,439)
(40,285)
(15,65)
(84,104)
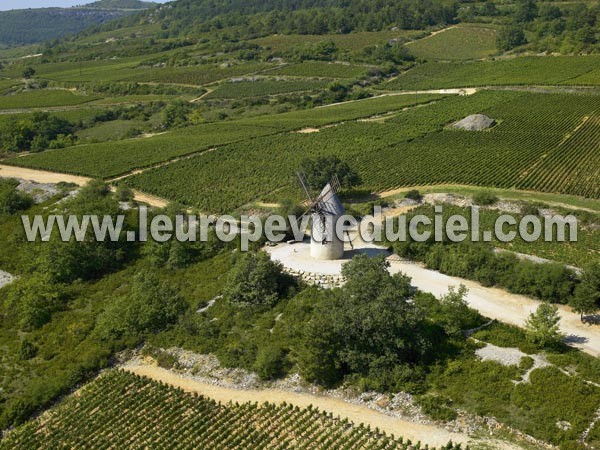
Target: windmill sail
(326,208)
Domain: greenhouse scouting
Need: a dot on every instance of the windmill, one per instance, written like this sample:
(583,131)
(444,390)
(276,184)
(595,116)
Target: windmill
(325,210)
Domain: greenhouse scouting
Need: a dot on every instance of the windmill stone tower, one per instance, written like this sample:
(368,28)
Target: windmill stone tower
(325,211)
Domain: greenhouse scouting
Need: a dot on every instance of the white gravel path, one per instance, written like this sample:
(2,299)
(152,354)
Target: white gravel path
(500,305)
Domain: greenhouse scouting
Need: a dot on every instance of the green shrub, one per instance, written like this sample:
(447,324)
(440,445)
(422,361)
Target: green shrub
(530,210)
(27,351)
(526,363)
(437,407)
(413,194)
(163,359)
(484,198)
(269,362)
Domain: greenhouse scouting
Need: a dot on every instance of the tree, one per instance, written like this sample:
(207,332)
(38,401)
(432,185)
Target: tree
(27,351)
(30,301)
(367,328)
(542,326)
(269,362)
(255,280)
(89,258)
(456,314)
(587,294)
(320,170)
(28,73)
(510,37)
(414,194)
(12,201)
(149,306)
(124,194)
(526,10)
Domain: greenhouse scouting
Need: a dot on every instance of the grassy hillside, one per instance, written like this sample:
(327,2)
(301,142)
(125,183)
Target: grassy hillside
(27,26)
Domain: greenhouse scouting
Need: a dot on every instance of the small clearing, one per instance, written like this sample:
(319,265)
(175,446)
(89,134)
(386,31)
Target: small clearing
(40,192)
(509,356)
(308,130)
(5,278)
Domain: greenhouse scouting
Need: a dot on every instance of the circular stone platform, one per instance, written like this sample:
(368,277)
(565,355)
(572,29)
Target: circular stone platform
(296,259)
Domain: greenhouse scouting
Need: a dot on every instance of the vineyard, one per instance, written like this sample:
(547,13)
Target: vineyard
(531,147)
(262,88)
(239,173)
(350,41)
(110,159)
(7,84)
(321,70)
(573,166)
(456,43)
(42,98)
(411,148)
(122,410)
(195,75)
(566,70)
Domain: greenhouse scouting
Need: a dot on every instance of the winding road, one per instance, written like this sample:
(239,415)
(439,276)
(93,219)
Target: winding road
(499,304)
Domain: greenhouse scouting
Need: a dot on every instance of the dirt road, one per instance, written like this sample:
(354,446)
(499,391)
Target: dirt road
(501,305)
(42,176)
(453,91)
(429,434)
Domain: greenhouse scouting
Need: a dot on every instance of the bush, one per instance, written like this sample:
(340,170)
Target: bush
(163,358)
(256,280)
(526,363)
(149,306)
(269,362)
(484,198)
(414,195)
(123,194)
(530,210)
(542,326)
(438,407)
(27,351)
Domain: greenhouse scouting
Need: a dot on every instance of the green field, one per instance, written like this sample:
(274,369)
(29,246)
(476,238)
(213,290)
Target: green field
(260,88)
(128,99)
(411,148)
(110,131)
(115,158)
(119,406)
(530,70)
(7,83)
(43,98)
(349,42)
(321,70)
(195,75)
(461,42)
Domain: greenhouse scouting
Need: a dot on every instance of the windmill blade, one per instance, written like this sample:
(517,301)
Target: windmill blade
(335,183)
(304,184)
(302,216)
